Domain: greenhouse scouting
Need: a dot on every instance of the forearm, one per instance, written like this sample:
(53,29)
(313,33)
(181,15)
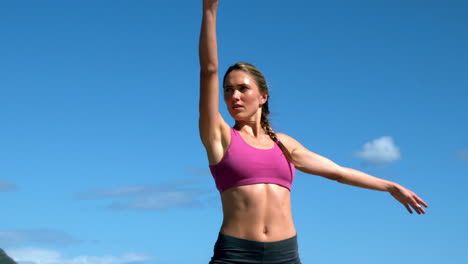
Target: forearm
(208,50)
(360,179)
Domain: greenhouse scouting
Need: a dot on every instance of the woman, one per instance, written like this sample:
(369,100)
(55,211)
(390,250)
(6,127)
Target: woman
(253,167)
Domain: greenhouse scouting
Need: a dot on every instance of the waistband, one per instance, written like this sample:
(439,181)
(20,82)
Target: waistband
(252,244)
(237,250)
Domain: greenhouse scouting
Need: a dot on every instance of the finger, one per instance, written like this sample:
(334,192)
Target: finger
(421,209)
(408,208)
(416,206)
(421,201)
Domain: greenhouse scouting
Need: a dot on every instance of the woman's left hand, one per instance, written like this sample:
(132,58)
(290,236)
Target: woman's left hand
(409,199)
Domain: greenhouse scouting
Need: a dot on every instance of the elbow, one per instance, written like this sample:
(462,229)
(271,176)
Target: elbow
(339,175)
(334,175)
(339,179)
(208,68)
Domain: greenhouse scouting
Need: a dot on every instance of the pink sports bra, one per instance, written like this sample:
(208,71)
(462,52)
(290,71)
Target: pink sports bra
(243,164)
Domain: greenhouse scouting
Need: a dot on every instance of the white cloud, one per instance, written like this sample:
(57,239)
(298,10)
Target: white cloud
(160,200)
(47,256)
(379,151)
(6,186)
(175,194)
(39,236)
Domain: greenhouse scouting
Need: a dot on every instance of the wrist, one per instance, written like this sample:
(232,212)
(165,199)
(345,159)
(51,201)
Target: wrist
(392,187)
(210,7)
(209,12)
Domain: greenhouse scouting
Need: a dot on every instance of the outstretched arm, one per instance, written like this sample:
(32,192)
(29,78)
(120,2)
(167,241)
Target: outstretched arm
(309,162)
(210,119)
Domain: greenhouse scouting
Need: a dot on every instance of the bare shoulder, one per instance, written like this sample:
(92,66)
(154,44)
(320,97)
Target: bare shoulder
(289,142)
(308,161)
(283,137)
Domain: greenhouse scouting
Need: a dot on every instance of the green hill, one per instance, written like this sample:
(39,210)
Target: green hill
(5,259)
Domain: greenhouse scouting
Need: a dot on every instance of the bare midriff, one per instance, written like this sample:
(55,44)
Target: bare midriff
(259,212)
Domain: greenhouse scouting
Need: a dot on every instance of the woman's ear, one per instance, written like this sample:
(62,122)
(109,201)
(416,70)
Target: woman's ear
(263,99)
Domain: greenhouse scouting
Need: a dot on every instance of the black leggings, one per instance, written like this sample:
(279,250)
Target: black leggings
(233,250)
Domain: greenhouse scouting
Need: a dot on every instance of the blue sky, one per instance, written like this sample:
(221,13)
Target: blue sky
(100,159)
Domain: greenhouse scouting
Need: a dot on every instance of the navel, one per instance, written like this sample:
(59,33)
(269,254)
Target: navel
(265,230)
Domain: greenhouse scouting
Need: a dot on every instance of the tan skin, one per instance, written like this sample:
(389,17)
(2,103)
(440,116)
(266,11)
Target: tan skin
(262,212)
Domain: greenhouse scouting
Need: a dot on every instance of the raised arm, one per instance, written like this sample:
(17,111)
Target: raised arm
(309,162)
(210,120)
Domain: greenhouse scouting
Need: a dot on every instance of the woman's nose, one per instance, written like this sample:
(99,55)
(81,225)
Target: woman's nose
(235,95)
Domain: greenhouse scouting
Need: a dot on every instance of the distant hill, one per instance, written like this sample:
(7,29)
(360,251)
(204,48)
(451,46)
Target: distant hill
(5,259)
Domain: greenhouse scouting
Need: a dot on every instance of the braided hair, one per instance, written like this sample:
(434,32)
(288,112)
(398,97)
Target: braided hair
(262,85)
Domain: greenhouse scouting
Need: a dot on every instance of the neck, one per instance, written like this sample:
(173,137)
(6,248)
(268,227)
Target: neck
(252,128)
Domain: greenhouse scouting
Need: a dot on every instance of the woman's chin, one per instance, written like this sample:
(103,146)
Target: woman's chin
(242,117)
(238,118)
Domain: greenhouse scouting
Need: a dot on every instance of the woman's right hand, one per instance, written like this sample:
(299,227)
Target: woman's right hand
(207,4)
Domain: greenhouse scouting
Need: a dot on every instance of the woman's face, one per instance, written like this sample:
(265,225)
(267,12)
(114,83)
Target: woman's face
(242,95)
